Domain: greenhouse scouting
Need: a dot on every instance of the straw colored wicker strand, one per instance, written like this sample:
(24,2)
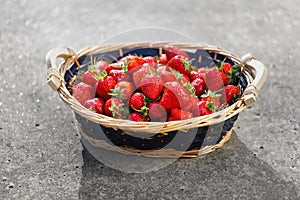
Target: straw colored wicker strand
(160,153)
(147,127)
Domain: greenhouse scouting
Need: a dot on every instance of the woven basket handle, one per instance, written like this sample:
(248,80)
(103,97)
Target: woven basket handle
(259,73)
(55,78)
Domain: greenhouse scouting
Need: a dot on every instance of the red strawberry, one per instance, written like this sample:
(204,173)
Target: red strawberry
(178,114)
(163,59)
(89,77)
(132,63)
(213,79)
(95,104)
(156,112)
(175,96)
(138,117)
(200,73)
(138,75)
(204,108)
(104,86)
(212,97)
(229,93)
(232,72)
(83,92)
(169,74)
(114,66)
(123,90)
(172,51)
(226,67)
(150,60)
(199,85)
(225,79)
(152,85)
(181,64)
(102,65)
(137,101)
(119,75)
(115,108)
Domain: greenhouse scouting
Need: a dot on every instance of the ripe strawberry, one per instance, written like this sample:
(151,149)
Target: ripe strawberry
(152,85)
(232,72)
(113,66)
(156,112)
(104,86)
(199,85)
(225,78)
(102,65)
(89,77)
(83,92)
(115,108)
(212,97)
(175,96)
(178,114)
(119,75)
(95,104)
(229,93)
(137,101)
(131,63)
(169,74)
(172,51)
(213,79)
(123,90)
(200,73)
(181,64)
(150,60)
(204,108)
(162,59)
(138,75)
(138,117)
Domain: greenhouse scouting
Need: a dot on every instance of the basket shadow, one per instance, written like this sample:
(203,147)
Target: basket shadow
(232,172)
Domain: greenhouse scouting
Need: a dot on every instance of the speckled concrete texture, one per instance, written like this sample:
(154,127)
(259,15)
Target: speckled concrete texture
(41,156)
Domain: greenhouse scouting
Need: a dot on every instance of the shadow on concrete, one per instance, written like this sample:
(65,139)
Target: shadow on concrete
(232,172)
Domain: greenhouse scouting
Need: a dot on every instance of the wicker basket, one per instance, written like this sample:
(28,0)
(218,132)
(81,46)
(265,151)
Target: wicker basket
(185,138)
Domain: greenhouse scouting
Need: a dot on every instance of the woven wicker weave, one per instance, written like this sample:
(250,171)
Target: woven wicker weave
(120,135)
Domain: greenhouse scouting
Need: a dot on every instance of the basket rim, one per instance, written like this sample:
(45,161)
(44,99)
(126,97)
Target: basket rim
(147,127)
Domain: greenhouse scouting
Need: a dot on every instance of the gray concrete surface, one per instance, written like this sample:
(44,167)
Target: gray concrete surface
(41,155)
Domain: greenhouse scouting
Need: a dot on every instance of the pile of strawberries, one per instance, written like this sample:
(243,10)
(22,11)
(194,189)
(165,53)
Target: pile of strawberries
(157,89)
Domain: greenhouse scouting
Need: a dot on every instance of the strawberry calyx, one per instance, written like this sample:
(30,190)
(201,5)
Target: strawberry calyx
(176,73)
(210,105)
(125,65)
(234,74)
(220,65)
(118,111)
(188,64)
(101,75)
(211,94)
(118,92)
(190,88)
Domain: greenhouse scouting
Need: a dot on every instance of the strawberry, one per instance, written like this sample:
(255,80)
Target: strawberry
(178,114)
(213,79)
(162,59)
(174,96)
(138,117)
(131,63)
(181,64)
(114,66)
(212,97)
(156,112)
(199,85)
(82,92)
(169,74)
(102,65)
(137,101)
(123,90)
(104,86)
(225,78)
(204,108)
(138,75)
(150,60)
(152,85)
(172,51)
(95,104)
(89,77)
(232,72)
(115,108)
(230,93)
(119,75)
(200,73)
